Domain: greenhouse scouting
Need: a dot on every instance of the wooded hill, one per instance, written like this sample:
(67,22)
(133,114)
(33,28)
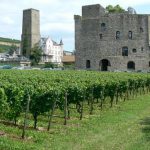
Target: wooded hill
(6,43)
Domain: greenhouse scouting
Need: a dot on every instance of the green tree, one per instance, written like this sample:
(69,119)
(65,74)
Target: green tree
(115,9)
(36,53)
(25,45)
(12,49)
(50,65)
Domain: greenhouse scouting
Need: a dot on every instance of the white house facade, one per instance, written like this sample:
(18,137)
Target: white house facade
(51,51)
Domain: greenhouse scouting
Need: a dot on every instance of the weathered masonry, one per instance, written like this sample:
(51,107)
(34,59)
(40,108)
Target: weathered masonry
(111,41)
(30,30)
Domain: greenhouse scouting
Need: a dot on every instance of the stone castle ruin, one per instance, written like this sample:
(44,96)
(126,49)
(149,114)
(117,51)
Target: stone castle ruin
(112,41)
(30,30)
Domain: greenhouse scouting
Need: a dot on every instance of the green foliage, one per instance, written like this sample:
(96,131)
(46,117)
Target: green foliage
(4,48)
(12,49)
(50,65)
(9,40)
(4,108)
(114,9)
(69,66)
(45,87)
(25,45)
(38,98)
(15,97)
(36,53)
(117,128)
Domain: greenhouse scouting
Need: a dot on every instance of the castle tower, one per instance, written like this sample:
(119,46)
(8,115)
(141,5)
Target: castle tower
(107,41)
(30,30)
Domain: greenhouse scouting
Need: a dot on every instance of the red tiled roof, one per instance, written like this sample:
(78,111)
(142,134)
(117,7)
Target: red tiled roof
(69,58)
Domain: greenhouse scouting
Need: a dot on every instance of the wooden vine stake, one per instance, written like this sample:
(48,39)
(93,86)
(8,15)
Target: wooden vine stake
(51,115)
(25,117)
(111,101)
(65,109)
(81,113)
(117,96)
(101,99)
(91,104)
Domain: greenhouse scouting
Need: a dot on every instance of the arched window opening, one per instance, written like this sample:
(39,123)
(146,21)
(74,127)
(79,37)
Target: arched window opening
(118,35)
(131,65)
(125,51)
(104,63)
(141,29)
(130,35)
(101,36)
(103,27)
(88,64)
(134,50)
(142,49)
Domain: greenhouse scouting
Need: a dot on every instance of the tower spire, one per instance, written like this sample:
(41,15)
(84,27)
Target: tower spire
(61,42)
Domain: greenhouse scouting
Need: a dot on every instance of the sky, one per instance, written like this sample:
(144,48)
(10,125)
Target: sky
(56,16)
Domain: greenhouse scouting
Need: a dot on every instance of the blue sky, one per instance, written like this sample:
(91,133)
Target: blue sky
(56,16)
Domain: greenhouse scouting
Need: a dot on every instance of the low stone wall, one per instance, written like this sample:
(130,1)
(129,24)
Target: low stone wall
(10,44)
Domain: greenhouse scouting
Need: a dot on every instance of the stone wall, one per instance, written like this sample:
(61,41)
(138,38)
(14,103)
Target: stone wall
(95,39)
(30,29)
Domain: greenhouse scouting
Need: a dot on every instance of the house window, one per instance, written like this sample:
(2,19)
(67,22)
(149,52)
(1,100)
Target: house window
(118,35)
(103,27)
(149,63)
(134,50)
(125,51)
(130,35)
(101,36)
(88,64)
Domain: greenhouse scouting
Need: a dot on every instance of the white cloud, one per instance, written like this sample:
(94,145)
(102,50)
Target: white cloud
(7,20)
(57,26)
(59,17)
(43,2)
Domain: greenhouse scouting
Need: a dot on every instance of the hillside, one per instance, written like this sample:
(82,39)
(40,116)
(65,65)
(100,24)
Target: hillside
(4,48)
(6,43)
(9,40)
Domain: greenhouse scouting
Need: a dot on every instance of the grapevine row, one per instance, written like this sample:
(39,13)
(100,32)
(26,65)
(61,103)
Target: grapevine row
(45,91)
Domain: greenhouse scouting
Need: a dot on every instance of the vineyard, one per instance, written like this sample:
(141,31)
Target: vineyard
(37,93)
